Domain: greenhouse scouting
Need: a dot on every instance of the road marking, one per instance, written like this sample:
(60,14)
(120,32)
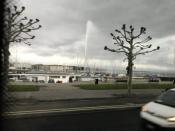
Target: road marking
(17,113)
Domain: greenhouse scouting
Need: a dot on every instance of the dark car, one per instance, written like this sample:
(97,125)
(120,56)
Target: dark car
(51,81)
(41,81)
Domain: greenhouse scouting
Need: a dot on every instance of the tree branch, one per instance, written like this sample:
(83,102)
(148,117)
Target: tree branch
(18,28)
(141,52)
(113,50)
(142,31)
(119,41)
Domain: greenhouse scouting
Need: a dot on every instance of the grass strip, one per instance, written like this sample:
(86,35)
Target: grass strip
(124,86)
(22,88)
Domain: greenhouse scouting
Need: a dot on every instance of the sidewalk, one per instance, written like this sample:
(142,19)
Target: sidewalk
(66,96)
(67,92)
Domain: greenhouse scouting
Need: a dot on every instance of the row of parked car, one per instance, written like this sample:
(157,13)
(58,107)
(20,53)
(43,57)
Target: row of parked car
(50,81)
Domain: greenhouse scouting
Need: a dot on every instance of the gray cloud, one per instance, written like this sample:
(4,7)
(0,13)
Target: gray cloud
(64,27)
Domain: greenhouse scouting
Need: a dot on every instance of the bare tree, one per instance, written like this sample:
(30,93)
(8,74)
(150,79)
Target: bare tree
(129,43)
(19,27)
(16,28)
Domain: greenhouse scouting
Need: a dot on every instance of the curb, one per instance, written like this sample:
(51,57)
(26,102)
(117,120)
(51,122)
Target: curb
(70,110)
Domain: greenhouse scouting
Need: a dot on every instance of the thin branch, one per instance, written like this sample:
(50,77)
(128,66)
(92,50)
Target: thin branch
(113,50)
(119,41)
(19,21)
(142,31)
(24,29)
(141,52)
(144,41)
(16,14)
(123,34)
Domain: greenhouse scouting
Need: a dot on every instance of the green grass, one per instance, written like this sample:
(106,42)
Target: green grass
(22,88)
(124,86)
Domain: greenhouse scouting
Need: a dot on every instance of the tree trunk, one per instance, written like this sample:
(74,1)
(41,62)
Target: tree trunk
(129,82)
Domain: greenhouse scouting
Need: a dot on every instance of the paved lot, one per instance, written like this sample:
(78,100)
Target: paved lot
(67,91)
(61,104)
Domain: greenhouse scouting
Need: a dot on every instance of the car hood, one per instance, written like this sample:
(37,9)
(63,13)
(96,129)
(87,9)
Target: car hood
(160,110)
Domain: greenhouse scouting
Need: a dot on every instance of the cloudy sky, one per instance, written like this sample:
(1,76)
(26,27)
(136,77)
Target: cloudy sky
(68,24)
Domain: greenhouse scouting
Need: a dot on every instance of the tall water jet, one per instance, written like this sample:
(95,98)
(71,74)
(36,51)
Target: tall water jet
(174,56)
(171,55)
(88,29)
(91,35)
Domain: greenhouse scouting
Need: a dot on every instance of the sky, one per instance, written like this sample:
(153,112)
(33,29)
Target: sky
(70,26)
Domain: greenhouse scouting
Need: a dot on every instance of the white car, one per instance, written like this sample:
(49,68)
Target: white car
(159,114)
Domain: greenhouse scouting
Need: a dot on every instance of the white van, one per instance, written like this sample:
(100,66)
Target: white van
(159,114)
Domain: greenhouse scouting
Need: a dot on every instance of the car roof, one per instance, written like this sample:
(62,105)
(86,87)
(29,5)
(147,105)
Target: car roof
(173,89)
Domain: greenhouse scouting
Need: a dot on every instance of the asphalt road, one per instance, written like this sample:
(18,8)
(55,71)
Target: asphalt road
(101,120)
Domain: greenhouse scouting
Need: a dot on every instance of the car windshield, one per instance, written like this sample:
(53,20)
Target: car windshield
(167,98)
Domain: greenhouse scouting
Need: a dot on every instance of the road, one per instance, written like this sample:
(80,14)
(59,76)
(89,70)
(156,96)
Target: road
(36,105)
(99,120)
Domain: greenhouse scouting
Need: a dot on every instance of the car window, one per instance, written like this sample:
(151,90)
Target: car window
(167,98)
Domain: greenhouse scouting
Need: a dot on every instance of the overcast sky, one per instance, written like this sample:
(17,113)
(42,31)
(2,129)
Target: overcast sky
(67,23)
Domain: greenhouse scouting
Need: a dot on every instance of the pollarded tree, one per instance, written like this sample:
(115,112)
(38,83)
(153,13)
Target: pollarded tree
(16,28)
(129,43)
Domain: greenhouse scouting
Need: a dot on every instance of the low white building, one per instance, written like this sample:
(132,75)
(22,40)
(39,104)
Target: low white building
(46,78)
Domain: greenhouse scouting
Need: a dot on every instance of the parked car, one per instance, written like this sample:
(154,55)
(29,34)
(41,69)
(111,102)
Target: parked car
(51,81)
(121,79)
(41,81)
(59,81)
(11,79)
(153,80)
(159,114)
